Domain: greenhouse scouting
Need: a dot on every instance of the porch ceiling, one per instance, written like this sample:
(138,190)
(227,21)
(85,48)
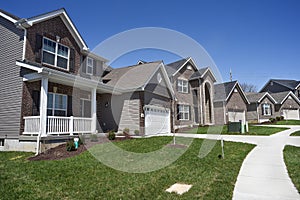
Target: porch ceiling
(66,79)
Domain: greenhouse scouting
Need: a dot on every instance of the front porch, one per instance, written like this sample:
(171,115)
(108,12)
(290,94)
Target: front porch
(57,125)
(59,104)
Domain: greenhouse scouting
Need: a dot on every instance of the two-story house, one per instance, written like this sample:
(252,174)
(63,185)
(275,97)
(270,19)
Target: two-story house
(50,80)
(194,89)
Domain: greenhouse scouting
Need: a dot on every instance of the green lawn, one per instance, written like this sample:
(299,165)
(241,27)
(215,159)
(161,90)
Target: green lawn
(253,130)
(84,177)
(291,158)
(297,133)
(288,122)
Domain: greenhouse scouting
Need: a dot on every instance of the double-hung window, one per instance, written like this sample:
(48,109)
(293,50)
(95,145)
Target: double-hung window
(57,104)
(89,66)
(183,112)
(55,54)
(266,109)
(182,86)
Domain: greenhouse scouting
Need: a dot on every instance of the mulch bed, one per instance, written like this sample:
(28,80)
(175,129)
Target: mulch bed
(60,152)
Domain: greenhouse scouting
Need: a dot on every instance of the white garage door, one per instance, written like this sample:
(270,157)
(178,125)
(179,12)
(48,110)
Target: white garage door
(237,116)
(157,120)
(290,114)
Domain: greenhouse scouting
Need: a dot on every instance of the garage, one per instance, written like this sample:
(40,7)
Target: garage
(157,120)
(290,114)
(236,116)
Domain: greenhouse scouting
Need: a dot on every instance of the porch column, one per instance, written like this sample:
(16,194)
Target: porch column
(93,110)
(43,106)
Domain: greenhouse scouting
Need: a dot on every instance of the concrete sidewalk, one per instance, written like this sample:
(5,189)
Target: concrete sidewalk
(263,174)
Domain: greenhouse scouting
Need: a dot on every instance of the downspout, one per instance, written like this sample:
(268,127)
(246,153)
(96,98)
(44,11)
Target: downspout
(38,142)
(224,108)
(24,43)
(257,111)
(23,58)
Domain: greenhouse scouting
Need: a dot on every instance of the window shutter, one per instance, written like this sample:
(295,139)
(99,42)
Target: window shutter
(190,115)
(83,64)
(35,103)
(177,112)
(72,60)
(69,109)
(38,48)
(94,67)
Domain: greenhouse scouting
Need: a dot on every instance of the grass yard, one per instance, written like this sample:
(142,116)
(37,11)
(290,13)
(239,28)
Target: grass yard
(253,130)
(297,133)
(84,177)
(288,122)
(291,158)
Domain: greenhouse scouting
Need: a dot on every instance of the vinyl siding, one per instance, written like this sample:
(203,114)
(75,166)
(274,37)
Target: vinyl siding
(11,47)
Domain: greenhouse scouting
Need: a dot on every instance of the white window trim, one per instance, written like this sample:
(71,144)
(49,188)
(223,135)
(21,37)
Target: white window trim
(181,88)
(56,54)
(184,112)
(87,66)
(264,109)
(53,103)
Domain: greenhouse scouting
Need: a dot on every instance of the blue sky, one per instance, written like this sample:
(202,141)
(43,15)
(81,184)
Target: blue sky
(257,39)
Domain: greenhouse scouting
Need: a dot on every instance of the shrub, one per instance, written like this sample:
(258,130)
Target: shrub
(93,138)
(136,132)
(281,118)
(111,135)
(278,118)
(81,140)
(126,131)
(272,120)
(70,146)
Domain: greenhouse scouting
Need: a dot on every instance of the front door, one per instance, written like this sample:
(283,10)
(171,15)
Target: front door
(85,108)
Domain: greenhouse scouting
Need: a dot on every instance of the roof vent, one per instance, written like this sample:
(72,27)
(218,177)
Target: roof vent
(189,67)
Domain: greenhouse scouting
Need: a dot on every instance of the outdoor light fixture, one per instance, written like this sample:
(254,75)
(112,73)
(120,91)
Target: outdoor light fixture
(57,38)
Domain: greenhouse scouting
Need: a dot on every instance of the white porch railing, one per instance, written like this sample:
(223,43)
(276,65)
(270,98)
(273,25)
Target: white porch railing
(58,125)
(32,125)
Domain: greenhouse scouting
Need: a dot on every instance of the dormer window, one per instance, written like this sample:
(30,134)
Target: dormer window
(182,86)
(89,66)
(55,54)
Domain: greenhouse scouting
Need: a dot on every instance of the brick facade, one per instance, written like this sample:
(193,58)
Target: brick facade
(50,29)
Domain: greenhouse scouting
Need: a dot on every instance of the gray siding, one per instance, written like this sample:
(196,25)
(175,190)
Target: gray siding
(116,112)
(11,46)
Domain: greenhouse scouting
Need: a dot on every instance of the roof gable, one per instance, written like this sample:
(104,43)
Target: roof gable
(281,97)
(173,68)
(223,91)
(258,97)
(136,77)
(26,23)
